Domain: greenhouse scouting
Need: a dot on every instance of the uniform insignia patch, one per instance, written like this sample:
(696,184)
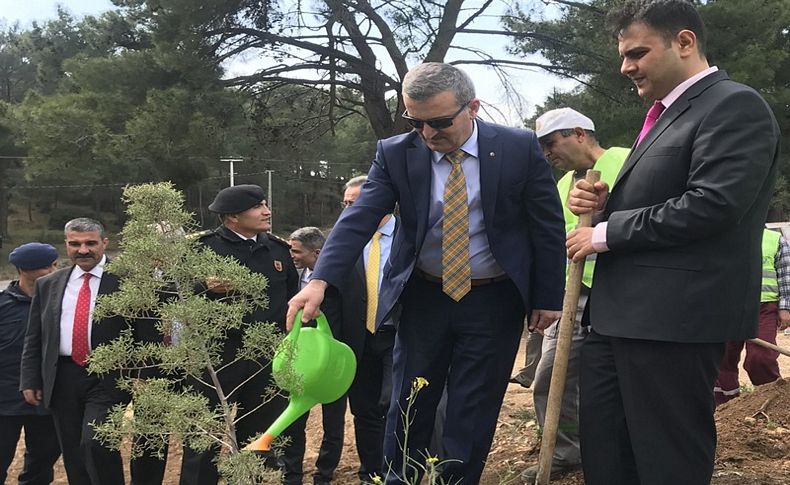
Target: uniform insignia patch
(278,265)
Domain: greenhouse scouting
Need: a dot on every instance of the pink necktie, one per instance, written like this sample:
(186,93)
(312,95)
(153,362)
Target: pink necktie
(79,334)
(650,119)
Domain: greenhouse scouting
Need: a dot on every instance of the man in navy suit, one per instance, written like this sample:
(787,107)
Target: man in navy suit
(464,285)
(679,266)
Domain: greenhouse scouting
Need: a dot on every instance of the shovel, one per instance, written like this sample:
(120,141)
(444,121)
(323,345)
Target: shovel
(559,371)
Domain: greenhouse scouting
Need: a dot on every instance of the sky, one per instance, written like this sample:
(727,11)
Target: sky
(533,86)
(26,11)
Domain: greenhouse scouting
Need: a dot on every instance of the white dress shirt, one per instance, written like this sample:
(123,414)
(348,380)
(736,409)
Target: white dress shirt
(481,259)
(69,303)
(305,277)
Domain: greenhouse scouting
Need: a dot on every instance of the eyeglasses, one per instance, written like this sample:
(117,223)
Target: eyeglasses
(436,123)
(345,204)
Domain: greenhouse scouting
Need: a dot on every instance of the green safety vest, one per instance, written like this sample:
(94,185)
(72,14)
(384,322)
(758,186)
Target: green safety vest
(609,165)
(770,287)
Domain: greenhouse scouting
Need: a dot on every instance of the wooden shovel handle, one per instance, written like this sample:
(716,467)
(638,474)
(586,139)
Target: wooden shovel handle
(560,370)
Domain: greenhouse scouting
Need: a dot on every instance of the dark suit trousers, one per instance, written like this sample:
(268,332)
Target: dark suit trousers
(369,398)
(646,411)
(41,447)
(333,416)
(78,399)
(334,424)
(471,345)
(148,469)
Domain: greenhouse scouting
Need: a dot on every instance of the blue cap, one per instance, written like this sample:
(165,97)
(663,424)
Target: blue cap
(33,255)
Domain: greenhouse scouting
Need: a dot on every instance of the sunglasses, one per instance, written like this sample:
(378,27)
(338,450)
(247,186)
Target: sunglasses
(436,123)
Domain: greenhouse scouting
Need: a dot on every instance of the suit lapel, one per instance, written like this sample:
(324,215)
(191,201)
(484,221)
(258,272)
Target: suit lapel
(669,116)
(58,291)
(359,267)
(682,104)
(108,283)
(490,155)
(418,164)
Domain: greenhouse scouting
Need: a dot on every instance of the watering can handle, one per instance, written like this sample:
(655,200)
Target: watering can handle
(321,324)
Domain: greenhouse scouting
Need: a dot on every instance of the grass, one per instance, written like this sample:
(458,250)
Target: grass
(523,415)
(746,388)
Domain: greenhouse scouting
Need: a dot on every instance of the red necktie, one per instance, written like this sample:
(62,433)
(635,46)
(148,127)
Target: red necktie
(650,119)
(79,334)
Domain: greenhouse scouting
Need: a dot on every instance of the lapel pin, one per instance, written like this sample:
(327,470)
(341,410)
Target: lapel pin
(492,154)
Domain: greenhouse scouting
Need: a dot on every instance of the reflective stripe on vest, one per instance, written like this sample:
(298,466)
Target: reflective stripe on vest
(770,286)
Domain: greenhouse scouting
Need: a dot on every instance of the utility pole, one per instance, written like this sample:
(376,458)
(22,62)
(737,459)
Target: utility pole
(269,199)
(231,160)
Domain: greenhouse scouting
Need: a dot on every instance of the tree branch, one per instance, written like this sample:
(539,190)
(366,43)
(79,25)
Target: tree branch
(445,33)
(263,77)
(475,15)
(387,37)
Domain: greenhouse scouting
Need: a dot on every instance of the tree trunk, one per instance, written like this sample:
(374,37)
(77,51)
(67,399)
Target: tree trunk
(5,197)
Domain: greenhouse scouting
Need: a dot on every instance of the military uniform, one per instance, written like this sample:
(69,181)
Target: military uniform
(269,256)
(41,447)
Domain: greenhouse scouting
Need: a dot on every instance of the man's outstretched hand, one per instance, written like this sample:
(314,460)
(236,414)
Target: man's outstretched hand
(309,300)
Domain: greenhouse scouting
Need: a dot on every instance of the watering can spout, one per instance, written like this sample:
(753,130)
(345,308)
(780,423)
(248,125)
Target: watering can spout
(264,443)
(297,406)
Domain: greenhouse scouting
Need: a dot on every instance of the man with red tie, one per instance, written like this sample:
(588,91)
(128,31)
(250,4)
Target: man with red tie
(60,336)
(678,268)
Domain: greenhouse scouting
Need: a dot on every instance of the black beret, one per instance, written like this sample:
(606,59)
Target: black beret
(33,255)
(239,198)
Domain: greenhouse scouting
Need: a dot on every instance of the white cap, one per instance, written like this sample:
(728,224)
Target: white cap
(561,119)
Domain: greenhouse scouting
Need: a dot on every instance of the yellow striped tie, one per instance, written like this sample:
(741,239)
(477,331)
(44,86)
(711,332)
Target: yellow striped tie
(372,281)
(456,270)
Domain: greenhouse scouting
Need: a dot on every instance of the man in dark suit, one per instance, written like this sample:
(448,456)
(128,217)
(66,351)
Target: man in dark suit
(60,335)
(679,243)
(32,261)
(479,244)
(371,390)
(306,244)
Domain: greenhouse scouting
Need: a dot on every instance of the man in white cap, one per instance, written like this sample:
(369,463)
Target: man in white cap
(569,143)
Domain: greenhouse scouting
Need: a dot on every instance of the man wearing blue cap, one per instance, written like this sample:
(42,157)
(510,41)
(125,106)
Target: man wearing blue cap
(32,260)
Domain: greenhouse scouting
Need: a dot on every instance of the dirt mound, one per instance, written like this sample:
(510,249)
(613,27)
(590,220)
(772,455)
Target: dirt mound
(754,436)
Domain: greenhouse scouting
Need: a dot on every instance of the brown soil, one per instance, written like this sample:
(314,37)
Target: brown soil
(753,447)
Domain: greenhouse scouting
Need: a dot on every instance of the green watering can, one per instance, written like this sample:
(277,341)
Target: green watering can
(326,366)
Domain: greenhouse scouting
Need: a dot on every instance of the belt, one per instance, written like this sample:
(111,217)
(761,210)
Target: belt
(475,282)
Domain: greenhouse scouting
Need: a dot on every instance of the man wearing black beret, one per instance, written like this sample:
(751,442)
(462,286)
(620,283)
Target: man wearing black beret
(243,235)
(32,260)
